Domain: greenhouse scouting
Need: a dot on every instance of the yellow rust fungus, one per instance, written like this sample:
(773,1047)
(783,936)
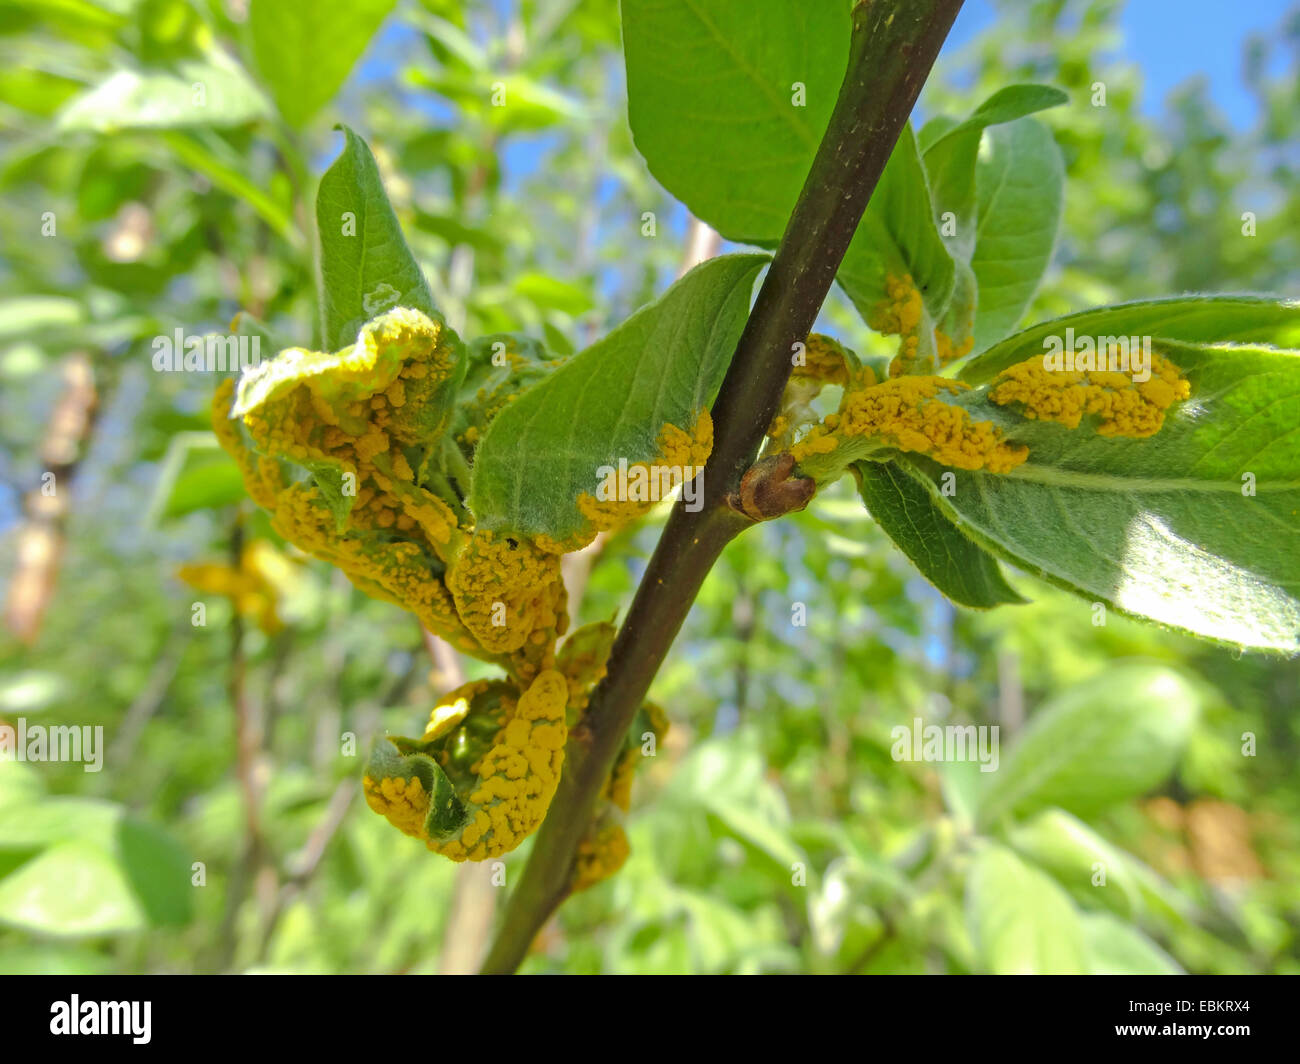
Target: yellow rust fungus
(512,783)
(355,420)
(358,426)
(403,802)
(584,660)
(780,427)
(453,708)
(907,413)
(824,360)
(517,777)
(900,314)
(679,451)
(262,477)
(604,847)
(508,592)
(948,351)
(397,572)
(247,586)
(1123,406)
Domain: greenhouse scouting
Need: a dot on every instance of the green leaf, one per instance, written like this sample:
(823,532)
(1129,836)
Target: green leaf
(73,888)
(328,477)
(727,781)
(1071,851)
(1020,183)
(712,102)
(1022,923)
(520,104)
(720,126)
(1117,948)
(661,366)
(149,879)
(306,48)
(357,372)
(1198,319)
(395,757)
(158,871)
(549,292)
(898,235)
(1098,743)
(529,105)
(196,474)
(33,825)
(959,319)
(756,830)
(366,267)
(215,93)
(22,316)
(37,92)
(19,783)
(452,231)
(1162,528)
(497,366)
(937,127)
(204,151)
(28,959)
(244,324)
(951,151)
(944,556)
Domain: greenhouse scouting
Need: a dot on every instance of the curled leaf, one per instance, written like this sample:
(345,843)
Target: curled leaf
(482,777)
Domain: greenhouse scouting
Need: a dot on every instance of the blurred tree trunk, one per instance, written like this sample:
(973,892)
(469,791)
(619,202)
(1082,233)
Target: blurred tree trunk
(41,538)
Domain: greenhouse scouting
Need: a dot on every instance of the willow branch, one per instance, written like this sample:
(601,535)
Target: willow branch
(893,46)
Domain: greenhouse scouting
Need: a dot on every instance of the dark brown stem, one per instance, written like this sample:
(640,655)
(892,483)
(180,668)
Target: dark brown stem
(893,47)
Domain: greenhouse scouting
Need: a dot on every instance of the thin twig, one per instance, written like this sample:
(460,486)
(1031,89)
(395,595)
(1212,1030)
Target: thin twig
(893,46)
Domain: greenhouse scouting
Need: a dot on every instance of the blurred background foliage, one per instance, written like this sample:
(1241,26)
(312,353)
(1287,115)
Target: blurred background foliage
(773,831)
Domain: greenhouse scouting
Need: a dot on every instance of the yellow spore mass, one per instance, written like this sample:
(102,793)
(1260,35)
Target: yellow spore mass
(900,314)
(601,853)
(370,495)
(356,420)
(678,449)
(398,572)
(907,413)
(517,777)
(507,591)
(404,802)
(246,586)
(453,708)
(583,660)
(824,360)
(949,351)
(604,848)
(1123,406)
(512,785)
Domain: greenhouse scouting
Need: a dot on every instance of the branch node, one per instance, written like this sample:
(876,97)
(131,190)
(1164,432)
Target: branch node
(767,491)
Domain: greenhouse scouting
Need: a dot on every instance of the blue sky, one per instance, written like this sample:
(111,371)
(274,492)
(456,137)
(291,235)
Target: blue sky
(1173,40)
